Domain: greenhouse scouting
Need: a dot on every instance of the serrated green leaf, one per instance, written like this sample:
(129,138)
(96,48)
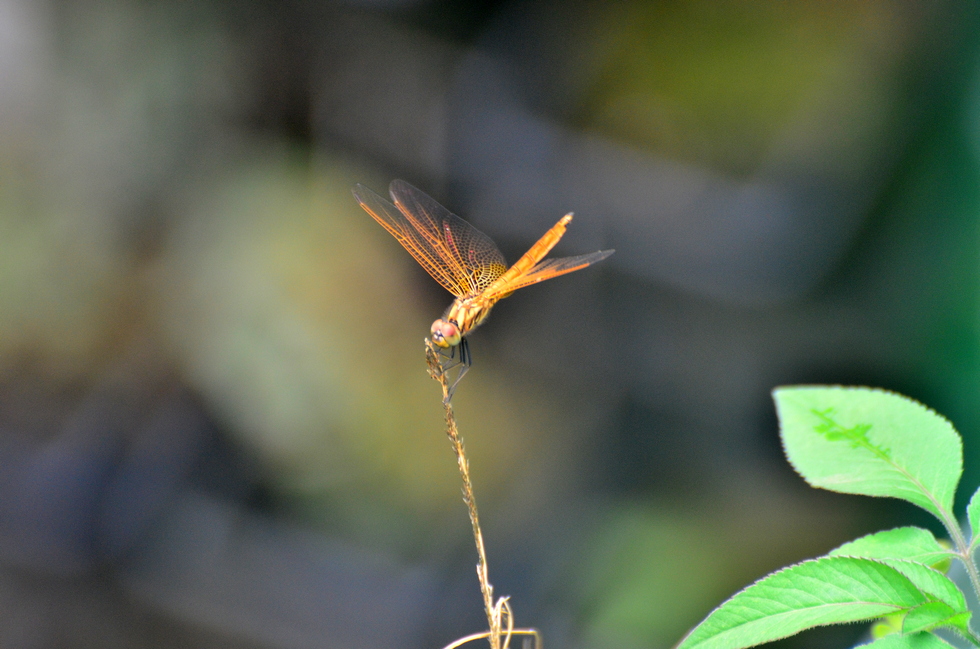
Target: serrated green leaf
(931,582)
(932,615)
(871,442)
(911,641)
(912,543)
(973,515)
(828,590)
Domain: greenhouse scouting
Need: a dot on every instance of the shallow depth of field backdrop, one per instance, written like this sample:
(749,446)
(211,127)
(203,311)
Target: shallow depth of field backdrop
(216,429)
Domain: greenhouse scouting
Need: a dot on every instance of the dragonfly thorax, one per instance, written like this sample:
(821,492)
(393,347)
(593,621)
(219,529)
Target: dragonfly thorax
(463,316)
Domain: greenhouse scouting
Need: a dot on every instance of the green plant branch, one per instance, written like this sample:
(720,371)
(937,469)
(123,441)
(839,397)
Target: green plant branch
(972,638)
(963,551)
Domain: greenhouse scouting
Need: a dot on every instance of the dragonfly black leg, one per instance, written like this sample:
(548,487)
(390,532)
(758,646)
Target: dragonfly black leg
(465,360)
(451,356)
(464,352)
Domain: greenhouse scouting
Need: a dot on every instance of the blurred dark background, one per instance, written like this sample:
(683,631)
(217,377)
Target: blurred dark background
(216,429)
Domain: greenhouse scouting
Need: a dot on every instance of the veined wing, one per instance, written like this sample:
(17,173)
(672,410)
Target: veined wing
(549,268)
(470,256)
(423,239)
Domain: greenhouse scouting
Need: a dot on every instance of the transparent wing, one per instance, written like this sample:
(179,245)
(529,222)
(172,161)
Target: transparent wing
(428,256)
(457,255)
(550,268)
(463,253)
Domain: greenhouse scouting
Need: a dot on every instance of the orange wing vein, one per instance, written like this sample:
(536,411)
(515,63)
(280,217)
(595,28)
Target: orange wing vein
(457,255)
(529,269)
(550,268)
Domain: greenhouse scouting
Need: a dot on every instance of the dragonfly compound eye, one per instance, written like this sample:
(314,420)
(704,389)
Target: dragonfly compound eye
(445,334)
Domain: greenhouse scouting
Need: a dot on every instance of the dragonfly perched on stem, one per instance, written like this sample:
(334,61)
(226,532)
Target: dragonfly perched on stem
(466,262)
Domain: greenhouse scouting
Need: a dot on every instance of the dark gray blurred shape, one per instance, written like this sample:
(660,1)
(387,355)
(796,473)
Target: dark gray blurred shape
(483,130)
(380,89)
(82,492)
(108,501)
(213,564)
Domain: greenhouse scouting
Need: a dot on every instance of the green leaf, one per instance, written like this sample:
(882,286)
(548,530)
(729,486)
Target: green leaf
(871,442)
(910,641)
(912,543)
(828,590)
(914,551)
(973,514)
(932,615)
(933,583)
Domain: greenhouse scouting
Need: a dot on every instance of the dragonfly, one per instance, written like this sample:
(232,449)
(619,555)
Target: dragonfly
(465,261)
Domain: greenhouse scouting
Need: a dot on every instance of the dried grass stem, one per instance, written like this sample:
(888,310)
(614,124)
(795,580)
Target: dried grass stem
(499,616)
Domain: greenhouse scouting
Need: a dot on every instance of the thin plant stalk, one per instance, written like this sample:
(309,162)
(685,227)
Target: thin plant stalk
(499,616)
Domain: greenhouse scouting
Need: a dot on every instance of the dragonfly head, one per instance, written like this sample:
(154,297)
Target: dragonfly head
(445,333)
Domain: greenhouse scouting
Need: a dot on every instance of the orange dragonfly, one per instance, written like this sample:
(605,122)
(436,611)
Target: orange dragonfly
(466,262)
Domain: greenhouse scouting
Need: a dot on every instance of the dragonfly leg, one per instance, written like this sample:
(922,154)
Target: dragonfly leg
(465,360)
(451,360)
